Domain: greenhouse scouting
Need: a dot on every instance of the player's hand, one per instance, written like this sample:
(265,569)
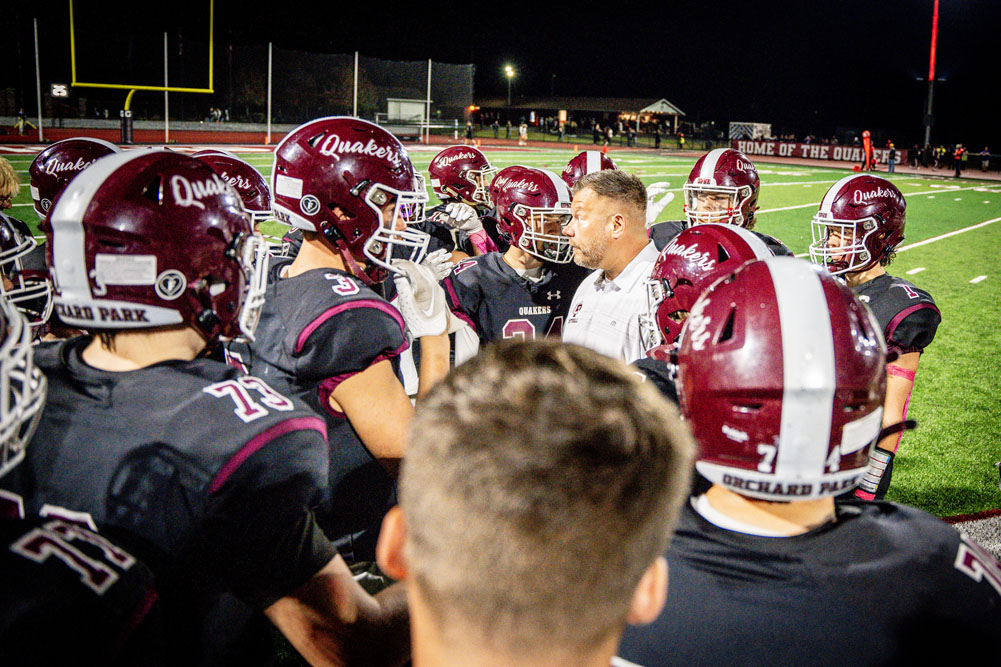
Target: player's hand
(420,299)
(654,206)
(462,217)
(439,262)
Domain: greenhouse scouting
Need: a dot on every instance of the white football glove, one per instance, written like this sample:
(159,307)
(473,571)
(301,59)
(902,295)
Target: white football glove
(420,299)
(462,217)
(655,206)
(440,262)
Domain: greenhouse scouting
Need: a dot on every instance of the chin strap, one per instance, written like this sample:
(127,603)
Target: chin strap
(875,481)
(354,267)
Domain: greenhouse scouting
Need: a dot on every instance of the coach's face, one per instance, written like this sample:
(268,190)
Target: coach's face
(590,227)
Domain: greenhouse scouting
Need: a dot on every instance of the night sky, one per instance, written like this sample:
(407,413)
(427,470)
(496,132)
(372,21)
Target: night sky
(802,66)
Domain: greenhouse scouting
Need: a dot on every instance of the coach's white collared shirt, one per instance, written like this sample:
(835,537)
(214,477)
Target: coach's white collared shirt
(604,314)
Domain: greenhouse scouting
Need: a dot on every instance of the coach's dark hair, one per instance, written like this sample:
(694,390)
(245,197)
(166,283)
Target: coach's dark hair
(541,481)
(615,184)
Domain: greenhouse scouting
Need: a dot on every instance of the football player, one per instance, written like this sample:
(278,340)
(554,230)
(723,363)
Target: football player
(525,291)
(326,335)
(584,163)
(27,287)
(460,178)
(59,578)
(855,234)
(722,187)
(207,475)
(685,268)
(781,376)
(536,540)
(244,178)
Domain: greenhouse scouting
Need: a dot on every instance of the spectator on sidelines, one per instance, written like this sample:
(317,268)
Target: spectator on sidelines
(891,159)
(537,541)
(607,231)
(596,133)
(523,134)
(985,159)
(507,130)
(495,126)
(957,157)
(469,133)
(781,378)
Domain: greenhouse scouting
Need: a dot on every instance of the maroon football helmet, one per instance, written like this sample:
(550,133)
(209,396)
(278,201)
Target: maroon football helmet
(533,207)
(685,268)
(585,162)
(53,168)
(723,187)
(246,180)
(358,168)
(153,238)
(864,215)
(30,291)
(462,173)
(23,386)
(781,376)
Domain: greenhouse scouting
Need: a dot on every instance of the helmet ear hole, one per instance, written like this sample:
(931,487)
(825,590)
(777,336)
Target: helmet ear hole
(721,253)
(727,332)
(154,191)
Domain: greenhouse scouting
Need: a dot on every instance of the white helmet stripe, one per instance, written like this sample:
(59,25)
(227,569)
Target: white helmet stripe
(709,164)
(68,257)
(829,197)
(808,371)
(562,191)
(593,162)
(757,246)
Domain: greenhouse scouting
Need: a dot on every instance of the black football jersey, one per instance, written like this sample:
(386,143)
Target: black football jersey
(488,294)
(316,330)
(206,475)
(657,373)
(906,314)
(883,584)
(662,232)
(69,595)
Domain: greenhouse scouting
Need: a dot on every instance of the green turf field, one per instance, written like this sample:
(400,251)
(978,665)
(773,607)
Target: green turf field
(947,466)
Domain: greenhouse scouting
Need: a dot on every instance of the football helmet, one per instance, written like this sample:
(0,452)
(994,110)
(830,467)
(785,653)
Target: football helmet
(864,215)
(781,376)
(533,207)
(154,238)
(335,176)
(585,162)
(23,387)
(685,268)
(28,290)
(722,187)
(53,168)
(246,180)
(462,173)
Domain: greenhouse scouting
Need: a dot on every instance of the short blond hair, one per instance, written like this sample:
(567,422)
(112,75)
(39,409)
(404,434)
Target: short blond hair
(10,184)
(541,481)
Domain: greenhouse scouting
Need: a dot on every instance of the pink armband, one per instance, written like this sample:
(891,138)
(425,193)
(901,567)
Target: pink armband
(900,372)
(482,242)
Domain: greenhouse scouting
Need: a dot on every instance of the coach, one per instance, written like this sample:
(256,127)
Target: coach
(607,231)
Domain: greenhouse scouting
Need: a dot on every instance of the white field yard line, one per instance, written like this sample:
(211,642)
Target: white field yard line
(918,244)
(978,279)
(906,194)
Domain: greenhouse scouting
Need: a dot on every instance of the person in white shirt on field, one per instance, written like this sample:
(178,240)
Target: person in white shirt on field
(607,231)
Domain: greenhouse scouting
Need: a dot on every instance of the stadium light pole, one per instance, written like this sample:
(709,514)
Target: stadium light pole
(509,72)
(931,73)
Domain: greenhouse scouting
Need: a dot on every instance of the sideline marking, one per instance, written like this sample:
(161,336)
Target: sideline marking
(978,279)
(906,195)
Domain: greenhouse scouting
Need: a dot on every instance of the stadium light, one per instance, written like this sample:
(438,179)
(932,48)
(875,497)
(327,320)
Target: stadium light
(509,73)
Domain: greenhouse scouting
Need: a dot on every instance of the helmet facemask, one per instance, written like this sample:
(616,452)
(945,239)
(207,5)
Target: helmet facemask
(481,178)
(537,238)
(650,334)
(409,208)
(853,254)
(729,202)
(30,291)
(22,389)
(252,252)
